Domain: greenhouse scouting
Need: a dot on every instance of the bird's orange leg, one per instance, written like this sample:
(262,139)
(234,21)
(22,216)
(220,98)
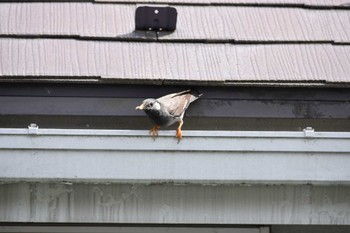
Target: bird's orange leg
(179,132)
(154,131)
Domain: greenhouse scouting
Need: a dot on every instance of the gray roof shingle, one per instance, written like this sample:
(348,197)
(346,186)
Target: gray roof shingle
(315,3)
(223,23)
(218,63)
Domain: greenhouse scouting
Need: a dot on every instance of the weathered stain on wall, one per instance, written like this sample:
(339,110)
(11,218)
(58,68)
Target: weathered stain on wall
(168,203)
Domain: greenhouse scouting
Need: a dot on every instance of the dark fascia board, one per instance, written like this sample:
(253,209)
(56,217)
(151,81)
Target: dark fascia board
(211,108)
(191,123)
(216,102)
(145,91)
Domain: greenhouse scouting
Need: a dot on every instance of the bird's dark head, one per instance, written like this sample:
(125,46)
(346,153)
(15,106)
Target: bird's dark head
(149,104)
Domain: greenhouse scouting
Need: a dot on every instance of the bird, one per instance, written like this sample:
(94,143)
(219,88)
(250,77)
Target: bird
(168,109)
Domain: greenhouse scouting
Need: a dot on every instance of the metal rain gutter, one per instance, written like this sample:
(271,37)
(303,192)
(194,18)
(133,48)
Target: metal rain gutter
(213,157)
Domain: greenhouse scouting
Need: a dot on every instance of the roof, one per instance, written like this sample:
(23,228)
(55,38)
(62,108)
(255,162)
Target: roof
(217,42)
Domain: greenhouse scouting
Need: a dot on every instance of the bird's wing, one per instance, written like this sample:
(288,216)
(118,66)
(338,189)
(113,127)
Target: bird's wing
(193,94)
(176,103)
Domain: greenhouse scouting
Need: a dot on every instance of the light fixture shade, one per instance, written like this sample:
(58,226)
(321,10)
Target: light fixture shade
(155,18)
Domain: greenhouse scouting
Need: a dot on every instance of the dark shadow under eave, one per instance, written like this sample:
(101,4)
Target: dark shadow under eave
(191,123)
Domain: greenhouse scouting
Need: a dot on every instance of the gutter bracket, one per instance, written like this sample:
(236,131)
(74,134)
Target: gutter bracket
(33,129)
(309,132)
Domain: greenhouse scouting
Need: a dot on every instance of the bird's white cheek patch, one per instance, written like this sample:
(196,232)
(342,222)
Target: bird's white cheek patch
(156,106)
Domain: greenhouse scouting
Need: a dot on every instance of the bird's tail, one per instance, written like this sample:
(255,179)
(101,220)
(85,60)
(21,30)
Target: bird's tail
(194,94)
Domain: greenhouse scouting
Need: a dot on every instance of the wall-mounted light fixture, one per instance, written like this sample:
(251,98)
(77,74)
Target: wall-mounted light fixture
(155,18)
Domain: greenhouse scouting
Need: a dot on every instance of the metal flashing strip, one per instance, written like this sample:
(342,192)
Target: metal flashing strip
(201,157)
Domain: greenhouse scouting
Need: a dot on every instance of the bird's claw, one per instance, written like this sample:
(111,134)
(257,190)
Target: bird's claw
(154,132)
(178,135)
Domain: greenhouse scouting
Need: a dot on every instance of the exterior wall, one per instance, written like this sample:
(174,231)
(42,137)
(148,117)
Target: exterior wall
(174,204)
(135,229)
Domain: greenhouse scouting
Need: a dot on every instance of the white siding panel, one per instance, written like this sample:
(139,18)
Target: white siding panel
(173,204)
(131,229)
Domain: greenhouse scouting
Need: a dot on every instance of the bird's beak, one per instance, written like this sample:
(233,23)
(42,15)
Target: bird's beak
(141,107)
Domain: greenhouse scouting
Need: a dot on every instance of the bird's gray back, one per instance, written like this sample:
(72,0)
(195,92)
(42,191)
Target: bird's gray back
(177,103)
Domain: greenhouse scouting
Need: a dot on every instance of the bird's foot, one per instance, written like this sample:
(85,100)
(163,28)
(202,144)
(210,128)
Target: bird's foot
(154,131)
(178,135)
